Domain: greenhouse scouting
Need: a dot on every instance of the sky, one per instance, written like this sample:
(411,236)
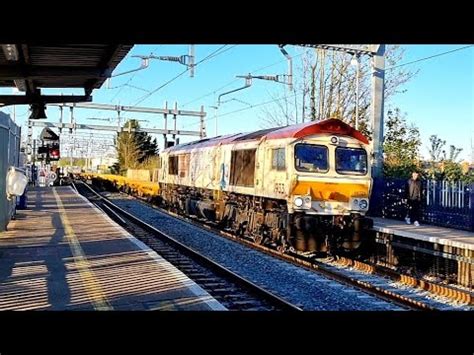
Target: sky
(438,100)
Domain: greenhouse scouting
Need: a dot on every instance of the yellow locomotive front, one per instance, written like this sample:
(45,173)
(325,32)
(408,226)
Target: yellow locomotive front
(330,187)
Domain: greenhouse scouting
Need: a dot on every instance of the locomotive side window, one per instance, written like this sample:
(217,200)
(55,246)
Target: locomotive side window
(173,165)
(278,159)
(351,161)
(183,166)
(242,167)
(311,158)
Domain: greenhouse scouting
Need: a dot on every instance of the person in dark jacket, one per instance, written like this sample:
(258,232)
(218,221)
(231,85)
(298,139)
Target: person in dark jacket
(413,195)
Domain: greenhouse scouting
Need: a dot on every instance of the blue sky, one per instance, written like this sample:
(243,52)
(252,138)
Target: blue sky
(439,100)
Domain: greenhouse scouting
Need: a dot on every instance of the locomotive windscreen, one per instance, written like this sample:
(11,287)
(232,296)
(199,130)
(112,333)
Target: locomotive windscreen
(311,158)
(351,161)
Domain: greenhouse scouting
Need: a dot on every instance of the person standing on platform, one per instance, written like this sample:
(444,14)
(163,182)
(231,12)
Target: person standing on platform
(413,195)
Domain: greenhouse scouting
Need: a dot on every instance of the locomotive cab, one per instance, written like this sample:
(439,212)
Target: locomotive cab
(330,190)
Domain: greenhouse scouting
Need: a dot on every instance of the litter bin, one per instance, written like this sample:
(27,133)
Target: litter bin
(22,201)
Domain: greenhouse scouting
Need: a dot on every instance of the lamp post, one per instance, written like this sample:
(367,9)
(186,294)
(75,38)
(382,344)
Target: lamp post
(355,62)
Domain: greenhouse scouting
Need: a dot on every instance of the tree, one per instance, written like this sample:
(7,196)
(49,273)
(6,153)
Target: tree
(133,148)
(436,152)
(468,177)
(453,153)
(280,114)
(128,151)
(324,85)
(452,169)
(444,166)
(148,147)
(401,146)
(436,148)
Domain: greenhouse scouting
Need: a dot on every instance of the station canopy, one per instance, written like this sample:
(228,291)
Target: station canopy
(31,67)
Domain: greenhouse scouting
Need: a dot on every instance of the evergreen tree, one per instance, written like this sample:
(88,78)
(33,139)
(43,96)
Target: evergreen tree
(133,148)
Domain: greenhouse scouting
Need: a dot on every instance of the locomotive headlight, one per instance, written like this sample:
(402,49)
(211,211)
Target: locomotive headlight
(359,203)
(298,201)
(363,204)
(302,202)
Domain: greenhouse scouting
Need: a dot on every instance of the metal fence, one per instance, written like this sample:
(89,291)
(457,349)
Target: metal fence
(10,135)
(447,204)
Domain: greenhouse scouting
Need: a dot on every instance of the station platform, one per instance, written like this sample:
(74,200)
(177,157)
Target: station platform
(63,253)
(455,247)
(437,235)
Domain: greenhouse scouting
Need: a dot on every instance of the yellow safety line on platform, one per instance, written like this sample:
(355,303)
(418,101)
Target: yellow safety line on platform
(93,289)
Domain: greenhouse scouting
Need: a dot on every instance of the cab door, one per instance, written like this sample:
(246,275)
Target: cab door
(275,177)
(260,170)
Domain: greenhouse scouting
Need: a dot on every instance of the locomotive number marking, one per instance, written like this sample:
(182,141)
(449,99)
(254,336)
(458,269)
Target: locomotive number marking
(279,188)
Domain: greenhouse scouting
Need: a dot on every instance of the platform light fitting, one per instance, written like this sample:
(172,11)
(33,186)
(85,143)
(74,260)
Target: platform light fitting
(38,111)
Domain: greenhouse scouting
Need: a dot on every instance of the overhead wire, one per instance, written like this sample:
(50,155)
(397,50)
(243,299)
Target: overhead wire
(235,80)
(128,81)
(292,96)
(213,54)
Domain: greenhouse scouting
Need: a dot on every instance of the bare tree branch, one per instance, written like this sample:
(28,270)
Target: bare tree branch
(326,88)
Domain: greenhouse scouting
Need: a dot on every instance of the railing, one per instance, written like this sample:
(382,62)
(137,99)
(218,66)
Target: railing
(448,204)
(447,194)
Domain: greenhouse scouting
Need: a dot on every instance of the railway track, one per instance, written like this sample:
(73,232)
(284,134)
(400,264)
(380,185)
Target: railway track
(405,291)
(417,295)
(330,269)
(230,289)
(327,270)
(405,300)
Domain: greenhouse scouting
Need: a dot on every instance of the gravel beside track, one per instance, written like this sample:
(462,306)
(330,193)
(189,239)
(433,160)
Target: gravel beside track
(299,286)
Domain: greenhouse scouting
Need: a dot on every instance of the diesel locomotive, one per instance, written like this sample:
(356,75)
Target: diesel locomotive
(302,187)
